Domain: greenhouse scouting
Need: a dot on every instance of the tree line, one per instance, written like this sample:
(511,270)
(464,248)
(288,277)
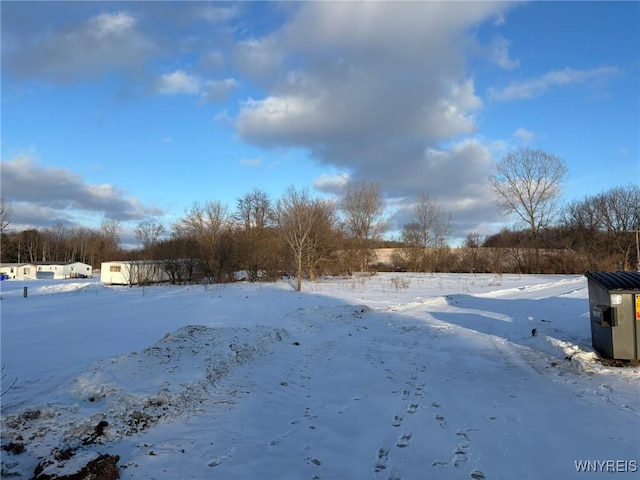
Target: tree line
(304,236)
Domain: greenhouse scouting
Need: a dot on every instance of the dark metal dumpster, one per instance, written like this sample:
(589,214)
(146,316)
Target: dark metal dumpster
(614,306)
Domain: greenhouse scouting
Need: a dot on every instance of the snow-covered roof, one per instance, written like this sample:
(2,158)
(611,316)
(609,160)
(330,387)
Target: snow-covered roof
(57,263)
(629,281)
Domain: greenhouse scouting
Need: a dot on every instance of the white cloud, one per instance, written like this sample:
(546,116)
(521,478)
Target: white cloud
(178,82)
(107,25)
(212,60)
(537,86)
(223,118)
(218,90)
(44,194)
(278,118)
(366,71)
(181,82)
(499,54)
(524,135)
(217,14)
(382,87)
(331,183)
(94,47)
(456,111)
(259,59)
(251,162)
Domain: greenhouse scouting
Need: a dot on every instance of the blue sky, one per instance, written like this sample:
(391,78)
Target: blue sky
(134,110)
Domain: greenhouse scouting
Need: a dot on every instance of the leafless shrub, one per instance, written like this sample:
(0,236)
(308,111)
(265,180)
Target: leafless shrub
(10,386)
(399,282)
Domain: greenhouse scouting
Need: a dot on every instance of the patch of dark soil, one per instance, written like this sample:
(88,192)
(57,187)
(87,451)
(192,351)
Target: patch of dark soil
(98,431)
(14,447)
(104,467)
(612,362)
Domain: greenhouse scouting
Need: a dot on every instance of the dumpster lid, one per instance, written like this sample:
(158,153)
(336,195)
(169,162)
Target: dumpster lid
(616,280)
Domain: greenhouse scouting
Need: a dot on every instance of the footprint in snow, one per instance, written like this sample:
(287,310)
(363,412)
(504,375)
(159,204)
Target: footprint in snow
(214,462)
(404,440)
(313,460)
(477,475)
(441,421)
(462,435)
(413,408)
(459,456)
(602,393)
(381,460)
(278,440)
(397,421)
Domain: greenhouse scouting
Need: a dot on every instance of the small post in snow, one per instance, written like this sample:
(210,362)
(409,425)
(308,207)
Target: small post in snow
(24,293)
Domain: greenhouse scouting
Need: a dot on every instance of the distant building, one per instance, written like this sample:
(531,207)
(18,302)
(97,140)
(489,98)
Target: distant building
(62,270)
(45,270)
(133,272)
(145,272)
(19,271)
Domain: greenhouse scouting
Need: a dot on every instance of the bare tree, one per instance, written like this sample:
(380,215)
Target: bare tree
(427,232)
(149,235)
(413,251)
(527,184)
(434,225)
(363,210)
(254,210)
(602,227)
(254,214)
(205,223)
(297,215)
(5,215)
(583,223)
(472,245)
(178,259)
(30,243)
(81,243)
(324,239)
(110,233)
(55,244)
(619,210)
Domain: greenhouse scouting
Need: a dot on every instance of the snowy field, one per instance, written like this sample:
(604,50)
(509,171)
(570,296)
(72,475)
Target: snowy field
(393,376)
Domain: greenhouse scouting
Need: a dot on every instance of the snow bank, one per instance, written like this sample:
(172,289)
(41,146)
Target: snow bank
(121,396)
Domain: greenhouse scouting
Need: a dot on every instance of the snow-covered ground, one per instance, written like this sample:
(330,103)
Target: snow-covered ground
(382,377)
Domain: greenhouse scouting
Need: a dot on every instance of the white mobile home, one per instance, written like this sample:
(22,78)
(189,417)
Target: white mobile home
(19,271)
(62,270)
(133,272)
